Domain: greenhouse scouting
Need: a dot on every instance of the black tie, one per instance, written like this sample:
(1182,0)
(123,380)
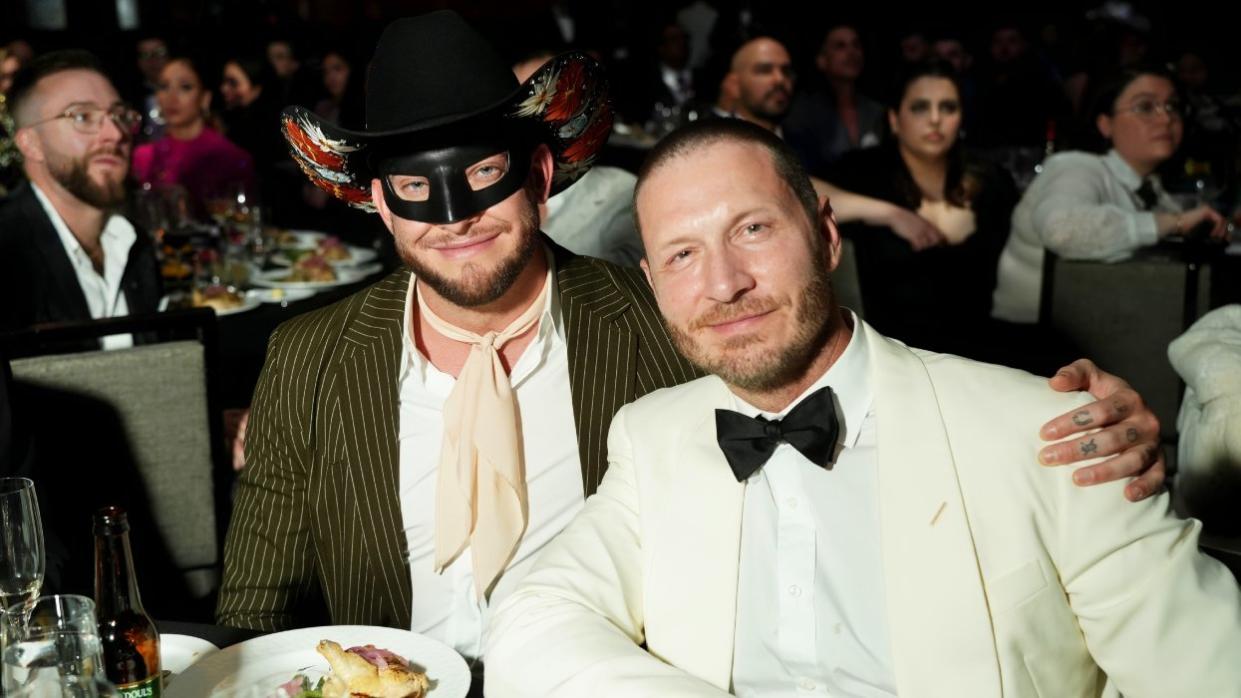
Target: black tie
(811,428)
(1146,193)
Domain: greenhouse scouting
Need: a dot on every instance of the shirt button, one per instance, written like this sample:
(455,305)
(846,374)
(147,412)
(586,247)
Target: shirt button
(806,685)
(794,591)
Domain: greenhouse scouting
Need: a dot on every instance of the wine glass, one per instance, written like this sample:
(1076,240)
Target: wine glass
(58,653)
(21,549)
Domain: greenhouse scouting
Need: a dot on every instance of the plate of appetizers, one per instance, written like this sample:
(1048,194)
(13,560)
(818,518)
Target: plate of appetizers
(328,662)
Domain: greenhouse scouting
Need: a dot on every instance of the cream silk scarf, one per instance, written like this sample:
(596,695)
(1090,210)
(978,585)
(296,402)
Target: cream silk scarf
(480,497)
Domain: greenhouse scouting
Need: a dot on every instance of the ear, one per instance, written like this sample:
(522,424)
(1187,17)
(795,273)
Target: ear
(646,271)
(1104,124)
(29,144)
(831,234)
(381,205)
(541,166)
(893,123)
(205,103)
(730,89)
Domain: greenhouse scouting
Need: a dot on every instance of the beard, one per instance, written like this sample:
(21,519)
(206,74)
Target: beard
(72,175)
(768,109)
(742,361)
(476,286)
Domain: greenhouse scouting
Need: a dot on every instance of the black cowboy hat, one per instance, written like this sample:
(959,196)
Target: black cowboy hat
(434,72)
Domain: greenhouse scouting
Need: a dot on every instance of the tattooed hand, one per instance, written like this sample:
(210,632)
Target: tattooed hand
(1127,430)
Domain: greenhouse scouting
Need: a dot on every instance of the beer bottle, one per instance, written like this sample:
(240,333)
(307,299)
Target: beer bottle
(130,641)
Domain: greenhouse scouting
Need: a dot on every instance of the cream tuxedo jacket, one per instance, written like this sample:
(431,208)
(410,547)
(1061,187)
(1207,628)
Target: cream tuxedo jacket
(1002,577)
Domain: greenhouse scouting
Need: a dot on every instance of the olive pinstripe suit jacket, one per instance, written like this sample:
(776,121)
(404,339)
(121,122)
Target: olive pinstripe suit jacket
(316,532)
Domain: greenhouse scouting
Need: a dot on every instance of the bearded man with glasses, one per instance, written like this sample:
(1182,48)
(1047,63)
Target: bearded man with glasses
(66,253)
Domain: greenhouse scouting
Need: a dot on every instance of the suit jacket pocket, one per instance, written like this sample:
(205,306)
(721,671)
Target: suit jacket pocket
(1015,587)
(1041,647)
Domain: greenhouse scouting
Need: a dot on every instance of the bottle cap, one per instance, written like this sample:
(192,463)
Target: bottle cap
(111,520)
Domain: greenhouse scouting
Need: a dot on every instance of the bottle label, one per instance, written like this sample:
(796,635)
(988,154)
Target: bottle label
(147,688)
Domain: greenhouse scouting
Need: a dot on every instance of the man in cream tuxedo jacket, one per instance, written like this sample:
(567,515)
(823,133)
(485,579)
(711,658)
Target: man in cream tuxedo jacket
(892,536)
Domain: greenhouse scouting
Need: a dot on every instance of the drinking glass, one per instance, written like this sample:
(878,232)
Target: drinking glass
(58,652)
(21,549)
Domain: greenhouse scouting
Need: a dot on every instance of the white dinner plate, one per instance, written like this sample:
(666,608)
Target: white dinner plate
(357,256)
(300,239)
(247,303)
(256,668)
(275,278)
(178,652)
(279,295)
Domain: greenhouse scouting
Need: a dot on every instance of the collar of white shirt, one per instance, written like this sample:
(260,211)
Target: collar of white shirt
(551,329)
(849,379)
(102,292)
(116,239)
(1126,174)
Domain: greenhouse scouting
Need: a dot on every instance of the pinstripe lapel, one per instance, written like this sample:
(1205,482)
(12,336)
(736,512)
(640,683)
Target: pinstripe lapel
(602,356)
(368,432)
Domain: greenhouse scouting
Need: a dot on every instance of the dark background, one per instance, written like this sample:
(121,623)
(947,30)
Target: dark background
(1057,28)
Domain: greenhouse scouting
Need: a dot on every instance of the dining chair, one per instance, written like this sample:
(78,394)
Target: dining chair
(139,424)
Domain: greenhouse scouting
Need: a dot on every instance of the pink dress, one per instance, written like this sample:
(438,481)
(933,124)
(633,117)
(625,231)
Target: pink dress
(206,166)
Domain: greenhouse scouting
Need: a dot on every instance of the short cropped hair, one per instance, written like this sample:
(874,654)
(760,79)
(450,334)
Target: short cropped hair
(700,134)
(45,65)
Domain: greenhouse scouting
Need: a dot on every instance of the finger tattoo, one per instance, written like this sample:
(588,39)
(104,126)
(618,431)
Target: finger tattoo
(1082,418)
(1131,434)
(1089,447)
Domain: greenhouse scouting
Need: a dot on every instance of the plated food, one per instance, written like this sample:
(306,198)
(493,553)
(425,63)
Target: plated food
(367,671)
(311,269)
(256,668)
(221,298)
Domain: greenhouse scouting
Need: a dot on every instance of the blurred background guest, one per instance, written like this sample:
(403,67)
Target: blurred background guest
(343,94)
(831,117)
(1101,206)
(1018,93)
(251,116)
(151,54)
(193,154)
(908,289)
(66,253)
(759,84)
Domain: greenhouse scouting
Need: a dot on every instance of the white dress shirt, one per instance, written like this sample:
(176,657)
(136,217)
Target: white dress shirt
(594,217)
(680,83)
(103,293)
(1082,206)
(811,615)
(445,605)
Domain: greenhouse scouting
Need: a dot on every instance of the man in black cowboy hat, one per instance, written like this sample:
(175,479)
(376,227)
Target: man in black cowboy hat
(433,431)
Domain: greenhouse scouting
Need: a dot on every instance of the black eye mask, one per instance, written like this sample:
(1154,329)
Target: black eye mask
(450,198)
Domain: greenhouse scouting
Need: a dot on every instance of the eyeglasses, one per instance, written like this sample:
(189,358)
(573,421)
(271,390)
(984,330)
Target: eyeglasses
(1146,109)
(88,120)
(152,53)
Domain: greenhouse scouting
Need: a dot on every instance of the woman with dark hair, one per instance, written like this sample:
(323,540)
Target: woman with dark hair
(251,115)
(936,297)
(343,102)
(1101,205)
(192,154)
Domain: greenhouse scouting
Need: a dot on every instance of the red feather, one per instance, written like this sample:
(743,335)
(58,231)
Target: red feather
(570,90)
(308,147)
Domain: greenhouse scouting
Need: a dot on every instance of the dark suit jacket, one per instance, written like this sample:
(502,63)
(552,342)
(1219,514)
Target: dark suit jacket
(37,281)
(316,532)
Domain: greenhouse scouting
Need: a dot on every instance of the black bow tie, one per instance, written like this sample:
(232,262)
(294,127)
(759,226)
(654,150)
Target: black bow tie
(1146,194)
(811,428)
